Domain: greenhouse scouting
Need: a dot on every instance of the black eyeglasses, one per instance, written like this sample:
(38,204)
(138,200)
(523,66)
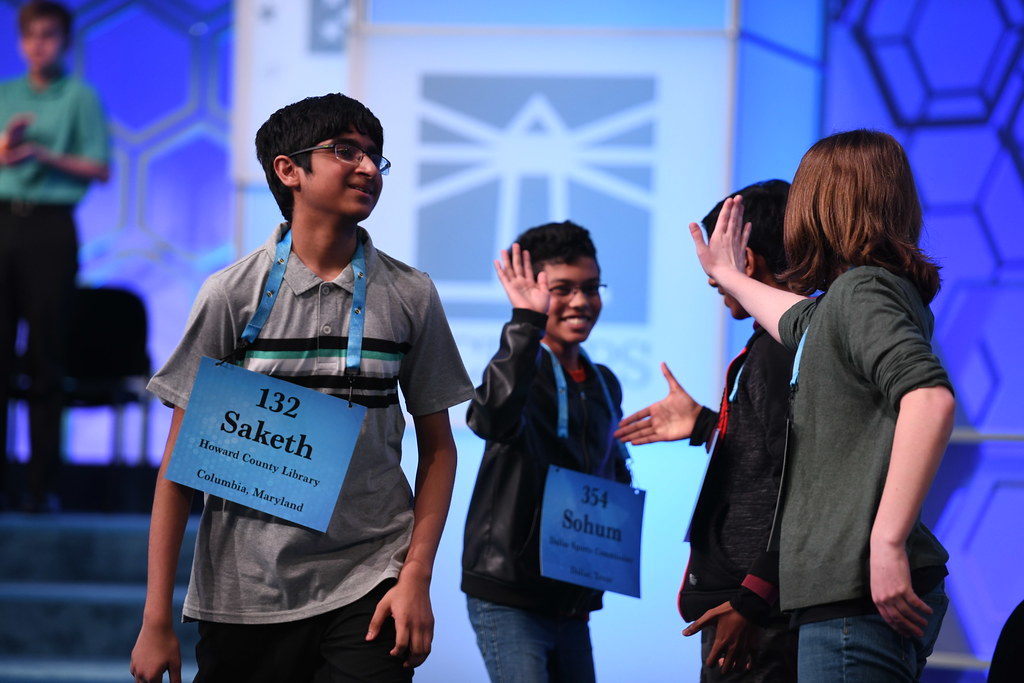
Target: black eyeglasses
(566,291)
(351,154)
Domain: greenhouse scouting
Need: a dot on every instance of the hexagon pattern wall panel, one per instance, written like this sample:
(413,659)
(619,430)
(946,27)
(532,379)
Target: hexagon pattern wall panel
(165,219)
(945,77)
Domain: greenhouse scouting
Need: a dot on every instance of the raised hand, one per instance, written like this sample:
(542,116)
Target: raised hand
(516,275)
(726,250)
(670,419)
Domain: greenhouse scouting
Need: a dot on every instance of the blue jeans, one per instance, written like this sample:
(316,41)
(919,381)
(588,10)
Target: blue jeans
(865,649)
(524,647)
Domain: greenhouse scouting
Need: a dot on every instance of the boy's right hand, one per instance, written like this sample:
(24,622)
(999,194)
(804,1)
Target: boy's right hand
(14,134)
(516,275)
(156,651)
(670,419)
(13,149)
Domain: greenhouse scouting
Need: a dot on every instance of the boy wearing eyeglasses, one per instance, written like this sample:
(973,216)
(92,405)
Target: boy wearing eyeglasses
(277,601)
(531,628)
(730,590)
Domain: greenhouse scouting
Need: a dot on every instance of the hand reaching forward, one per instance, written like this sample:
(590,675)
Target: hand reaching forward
(516,275)
(726,250)
(670,419)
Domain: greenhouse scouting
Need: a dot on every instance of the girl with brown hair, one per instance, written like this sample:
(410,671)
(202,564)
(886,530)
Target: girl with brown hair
(872,408)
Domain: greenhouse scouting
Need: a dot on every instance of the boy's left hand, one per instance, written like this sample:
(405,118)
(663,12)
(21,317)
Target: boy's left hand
(408,602)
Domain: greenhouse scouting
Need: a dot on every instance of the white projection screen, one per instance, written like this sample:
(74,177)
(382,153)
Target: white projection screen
(494,130)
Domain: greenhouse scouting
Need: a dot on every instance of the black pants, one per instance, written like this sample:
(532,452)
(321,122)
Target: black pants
(38,265)
(327,648)
(774,661)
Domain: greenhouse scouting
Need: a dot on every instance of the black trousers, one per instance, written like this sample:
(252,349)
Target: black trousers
(327,648)
(38,266)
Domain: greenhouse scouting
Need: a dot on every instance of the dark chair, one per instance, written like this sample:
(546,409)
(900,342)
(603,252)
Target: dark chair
(108,359)
(1007,661)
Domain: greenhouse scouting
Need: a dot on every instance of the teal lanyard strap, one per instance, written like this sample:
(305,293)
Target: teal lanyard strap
(354,349)
(274,280)
(736,382)
(563,398)
(796,360)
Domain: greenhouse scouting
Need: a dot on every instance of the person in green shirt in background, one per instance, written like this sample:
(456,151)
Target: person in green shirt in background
(54,143)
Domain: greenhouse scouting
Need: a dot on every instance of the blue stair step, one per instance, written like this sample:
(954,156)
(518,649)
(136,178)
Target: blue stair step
(72,670)
(72,591)
(81,547)
(78,619)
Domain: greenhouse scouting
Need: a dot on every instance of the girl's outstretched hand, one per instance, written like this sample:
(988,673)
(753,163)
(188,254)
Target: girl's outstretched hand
(516,275)
(726,250)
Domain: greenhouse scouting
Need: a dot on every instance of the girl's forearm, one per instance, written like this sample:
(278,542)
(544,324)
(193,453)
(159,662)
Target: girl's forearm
(923,428)
(766,304)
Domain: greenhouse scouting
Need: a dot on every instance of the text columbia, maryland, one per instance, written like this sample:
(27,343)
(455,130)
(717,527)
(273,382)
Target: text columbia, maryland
(248,458)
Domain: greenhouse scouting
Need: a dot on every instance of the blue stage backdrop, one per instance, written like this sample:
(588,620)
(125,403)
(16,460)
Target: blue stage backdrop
(896,66)
(633,118)
(165,220)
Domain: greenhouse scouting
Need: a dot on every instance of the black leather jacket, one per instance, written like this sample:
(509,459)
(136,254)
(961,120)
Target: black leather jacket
(515,410)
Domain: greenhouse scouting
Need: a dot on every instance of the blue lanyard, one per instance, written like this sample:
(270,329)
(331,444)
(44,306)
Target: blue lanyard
(736,382)
(796,360)
(354,350)
(563,398)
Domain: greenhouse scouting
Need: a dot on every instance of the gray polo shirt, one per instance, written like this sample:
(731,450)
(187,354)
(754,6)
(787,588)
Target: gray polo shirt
(868,344)
(254,568)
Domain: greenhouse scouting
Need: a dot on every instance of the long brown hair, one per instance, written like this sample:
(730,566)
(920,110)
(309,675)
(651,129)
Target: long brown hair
(854,203)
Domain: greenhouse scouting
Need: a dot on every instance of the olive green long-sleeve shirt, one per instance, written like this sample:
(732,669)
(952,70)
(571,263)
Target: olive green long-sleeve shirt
(868,344)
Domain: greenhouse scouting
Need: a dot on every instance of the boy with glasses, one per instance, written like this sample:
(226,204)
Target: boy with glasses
(531,628)
(276,601)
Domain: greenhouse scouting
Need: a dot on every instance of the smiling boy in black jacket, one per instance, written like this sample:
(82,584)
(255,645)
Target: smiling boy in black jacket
(529,627)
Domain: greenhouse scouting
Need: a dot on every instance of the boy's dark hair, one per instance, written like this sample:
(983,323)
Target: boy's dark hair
(563,242)
(304,124)
(43,9)
(764,207)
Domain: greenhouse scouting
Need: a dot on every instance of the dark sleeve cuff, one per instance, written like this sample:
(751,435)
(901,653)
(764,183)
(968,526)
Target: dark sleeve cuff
(703,427)
(759,591)
(752,606)
(527,315)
